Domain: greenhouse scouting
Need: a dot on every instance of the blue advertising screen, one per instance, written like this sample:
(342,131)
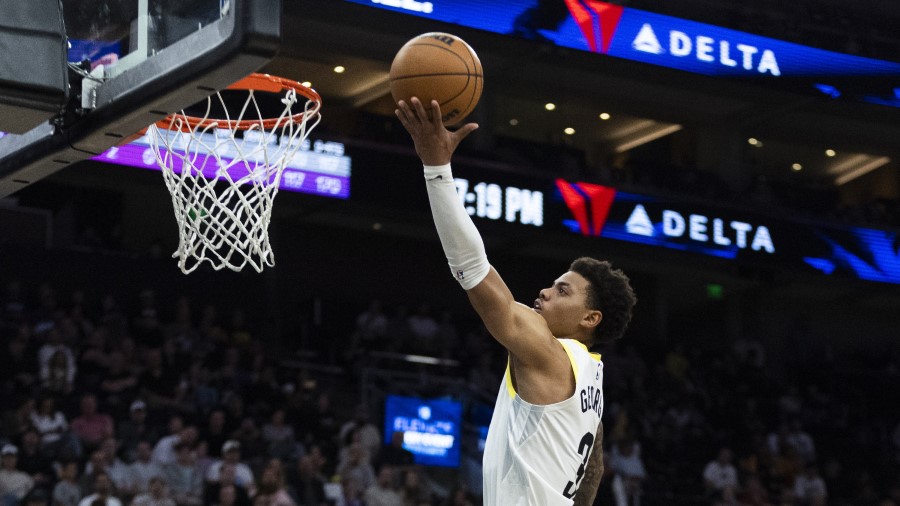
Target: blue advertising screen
(667,41)
(317,168)
(600,211)
(430,427)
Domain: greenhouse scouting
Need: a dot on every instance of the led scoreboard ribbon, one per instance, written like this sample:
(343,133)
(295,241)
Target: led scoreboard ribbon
(667,41)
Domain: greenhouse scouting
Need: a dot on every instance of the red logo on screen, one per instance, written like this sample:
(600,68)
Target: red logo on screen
(589,204)
(598,21)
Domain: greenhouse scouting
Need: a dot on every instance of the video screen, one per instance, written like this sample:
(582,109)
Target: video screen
(430,427)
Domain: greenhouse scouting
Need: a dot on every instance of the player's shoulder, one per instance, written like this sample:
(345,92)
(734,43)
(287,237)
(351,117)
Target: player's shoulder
(580,349)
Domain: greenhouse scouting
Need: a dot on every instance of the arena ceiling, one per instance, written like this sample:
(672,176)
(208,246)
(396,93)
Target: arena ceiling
(644,103)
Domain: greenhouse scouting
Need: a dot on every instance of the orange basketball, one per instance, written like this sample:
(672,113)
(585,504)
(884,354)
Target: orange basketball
(438,66)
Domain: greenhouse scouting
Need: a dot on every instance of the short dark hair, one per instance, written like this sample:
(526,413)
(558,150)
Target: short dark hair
(610,293)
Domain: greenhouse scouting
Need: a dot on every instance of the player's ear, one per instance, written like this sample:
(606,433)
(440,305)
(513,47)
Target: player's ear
(592,318)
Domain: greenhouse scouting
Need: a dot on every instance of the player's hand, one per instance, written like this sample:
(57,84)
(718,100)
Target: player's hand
(434,143)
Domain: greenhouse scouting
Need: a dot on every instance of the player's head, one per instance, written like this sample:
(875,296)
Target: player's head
(607,291)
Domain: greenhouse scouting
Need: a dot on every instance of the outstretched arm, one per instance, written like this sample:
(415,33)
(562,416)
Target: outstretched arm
(587,491)
(517,327)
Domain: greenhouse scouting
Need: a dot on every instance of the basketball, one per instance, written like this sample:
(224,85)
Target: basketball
(438,66)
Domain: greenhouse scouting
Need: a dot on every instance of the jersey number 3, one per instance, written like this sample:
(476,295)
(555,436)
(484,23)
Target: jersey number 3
(584,449)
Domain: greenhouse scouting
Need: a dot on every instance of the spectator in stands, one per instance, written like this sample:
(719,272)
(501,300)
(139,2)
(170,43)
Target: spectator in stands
(14,484)
(135,429)
(118,471)
(786,466)
(382,492)
(200,389)
(96,463)
(92,427)
(53,428)
(143,468)
(356,466)
(801,441)
(362,429)
(424,330)
(156,494)
(720,476)
(352,492)
(38,496)
(158,386)
(264,387)
(164,451)
(33,461)
(228,495)
(56,374)
(66,492)
(251,443)
(809,487)
(625,461)
(215,433)
(103,492)
(231,458)
(118,384)
(460,496)
(754,493)
(235,410)
(308,485)
(413,491)
(146,323)
(271,490)
(93,359)
(184,477)
(279,437)
(213,489)
(320,426)
(113,318)
(57,377)
(777,439)
(371,329)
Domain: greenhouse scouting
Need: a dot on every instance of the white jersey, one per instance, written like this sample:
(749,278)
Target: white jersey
(536,455)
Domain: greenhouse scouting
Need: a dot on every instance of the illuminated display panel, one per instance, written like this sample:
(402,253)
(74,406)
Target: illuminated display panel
(642,36)
(599,211)
(430,427)
(727,233)
(318,168)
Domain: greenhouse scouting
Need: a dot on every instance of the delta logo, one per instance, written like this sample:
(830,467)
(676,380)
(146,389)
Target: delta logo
(701,228)
(590,205)
(599,21)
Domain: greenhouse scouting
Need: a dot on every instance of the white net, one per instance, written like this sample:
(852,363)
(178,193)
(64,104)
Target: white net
(223,179)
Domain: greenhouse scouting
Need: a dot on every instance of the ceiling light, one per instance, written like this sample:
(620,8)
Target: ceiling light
(866,164)
(830,153)
(796,167)
(549,106)
(514,122)
(307,84)
(569,131)
(339,69)
(753,141)
(604,115)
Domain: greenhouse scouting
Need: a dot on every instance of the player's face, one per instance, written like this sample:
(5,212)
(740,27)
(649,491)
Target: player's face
(564,305)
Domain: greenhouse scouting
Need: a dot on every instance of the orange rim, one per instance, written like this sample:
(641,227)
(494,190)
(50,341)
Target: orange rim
(253,82)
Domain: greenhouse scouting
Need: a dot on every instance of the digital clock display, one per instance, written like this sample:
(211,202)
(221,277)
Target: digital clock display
(495,202)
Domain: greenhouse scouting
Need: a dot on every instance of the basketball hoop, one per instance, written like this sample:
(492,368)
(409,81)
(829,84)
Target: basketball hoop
(223,173)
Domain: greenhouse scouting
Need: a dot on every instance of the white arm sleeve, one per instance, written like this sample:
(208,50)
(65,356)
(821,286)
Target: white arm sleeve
(461,241)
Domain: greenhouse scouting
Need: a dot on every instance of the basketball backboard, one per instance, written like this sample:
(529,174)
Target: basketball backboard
(76,82)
